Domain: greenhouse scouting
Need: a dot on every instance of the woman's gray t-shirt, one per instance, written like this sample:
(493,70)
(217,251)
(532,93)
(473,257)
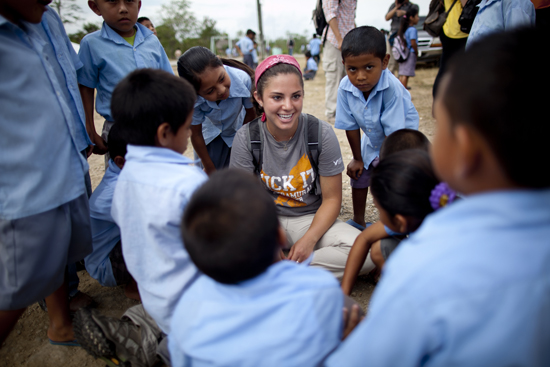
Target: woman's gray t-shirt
(288,174)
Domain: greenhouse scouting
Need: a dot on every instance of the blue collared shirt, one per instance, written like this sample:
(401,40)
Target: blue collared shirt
(311,64)
(228,116)
(500,15)
(41,166)
(108,58)
(315,46)
(152,191)
(290,315)
(388,108)
(105,232)
(246,45)
(469,288)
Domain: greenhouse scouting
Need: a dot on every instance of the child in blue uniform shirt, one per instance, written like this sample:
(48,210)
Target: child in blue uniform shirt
(250,308)
(106,264)
(121,46)
(470,287)
(44,215)
(154,110)
(311,67)
(223,103)
(370,98)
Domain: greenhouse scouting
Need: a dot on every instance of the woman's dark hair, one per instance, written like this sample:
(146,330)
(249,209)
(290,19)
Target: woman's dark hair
(270,73)
(405,23)
(197,59)
(402,184)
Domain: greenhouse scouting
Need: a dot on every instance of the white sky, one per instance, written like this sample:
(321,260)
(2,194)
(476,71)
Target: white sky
(279,16)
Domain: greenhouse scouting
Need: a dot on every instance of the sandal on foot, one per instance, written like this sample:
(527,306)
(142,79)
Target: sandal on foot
(70,343)
(354,224)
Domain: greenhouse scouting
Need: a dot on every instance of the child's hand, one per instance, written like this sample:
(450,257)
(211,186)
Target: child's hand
(355,169)
(351,320)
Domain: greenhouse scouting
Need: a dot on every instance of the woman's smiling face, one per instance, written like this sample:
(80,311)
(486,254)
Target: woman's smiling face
(282,101)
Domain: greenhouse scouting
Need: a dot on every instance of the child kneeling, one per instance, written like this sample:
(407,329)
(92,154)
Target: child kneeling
(249,304)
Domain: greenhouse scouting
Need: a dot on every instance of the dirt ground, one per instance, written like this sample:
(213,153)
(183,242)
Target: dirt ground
(28,345)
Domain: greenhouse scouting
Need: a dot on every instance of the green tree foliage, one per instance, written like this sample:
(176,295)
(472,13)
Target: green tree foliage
(167,37)
(87,28)
(68,10)
(177,16)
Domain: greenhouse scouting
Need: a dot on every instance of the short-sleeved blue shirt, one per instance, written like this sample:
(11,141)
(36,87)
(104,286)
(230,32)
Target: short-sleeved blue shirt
(448,296)
(315,46)
(246,45)
(108,58)
(411,34)
(501,15)
(311,64)
(290,315)
(227,117)
(388,108)
(41,135)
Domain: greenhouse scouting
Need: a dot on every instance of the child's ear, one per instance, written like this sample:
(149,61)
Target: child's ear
(92,5)
(385,61)
(469,151)
(119,161)
(139,5)
(164,135)
(401,223)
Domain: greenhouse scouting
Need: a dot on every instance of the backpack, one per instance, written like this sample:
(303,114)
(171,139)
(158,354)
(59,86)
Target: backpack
(319,20)
(469,12)
(399,50)
(313,134)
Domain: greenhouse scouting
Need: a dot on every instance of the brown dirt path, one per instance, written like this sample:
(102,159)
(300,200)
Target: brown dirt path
(28,346)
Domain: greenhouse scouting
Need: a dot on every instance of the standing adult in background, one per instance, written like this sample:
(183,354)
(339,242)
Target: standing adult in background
(290,45)
(245,46)
(452,38)
(340,16)
(397,10)
(315,48)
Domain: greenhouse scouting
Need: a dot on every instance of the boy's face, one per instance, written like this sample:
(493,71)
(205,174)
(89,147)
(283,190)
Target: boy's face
(120,15)
(28,10)
(149,25)
(364,70)
(444,145)
(179,140)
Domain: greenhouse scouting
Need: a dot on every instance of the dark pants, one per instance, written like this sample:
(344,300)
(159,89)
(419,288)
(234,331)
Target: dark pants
(450,47)
(310,75)
(248,60)
(317,58)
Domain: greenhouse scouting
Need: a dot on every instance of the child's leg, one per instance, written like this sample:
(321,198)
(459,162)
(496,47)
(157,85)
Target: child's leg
(359,202)
(8,319)
(61,328)
(376,255)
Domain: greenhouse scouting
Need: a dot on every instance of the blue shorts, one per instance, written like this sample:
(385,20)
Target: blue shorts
(364,180)
(35,250)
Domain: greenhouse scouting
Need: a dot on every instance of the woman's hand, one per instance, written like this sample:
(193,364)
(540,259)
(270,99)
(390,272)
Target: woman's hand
(301,250)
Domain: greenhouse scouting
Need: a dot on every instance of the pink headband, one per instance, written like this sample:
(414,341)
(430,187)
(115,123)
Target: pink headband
(272,61)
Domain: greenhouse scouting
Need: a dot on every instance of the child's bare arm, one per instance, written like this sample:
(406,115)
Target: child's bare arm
(355,167)
(359,252)
(414,46)
(87,95)
(197,139)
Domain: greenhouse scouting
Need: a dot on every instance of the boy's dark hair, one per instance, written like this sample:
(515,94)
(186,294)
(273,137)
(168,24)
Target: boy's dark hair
(217,231)
(314,35)
(142,19)
(145,99)
(404,139)
(250,31)
(197,59)
(268,74)
(405,23)
(402,184)
(307,54)
(364,40)
(117,145)
(488,91)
